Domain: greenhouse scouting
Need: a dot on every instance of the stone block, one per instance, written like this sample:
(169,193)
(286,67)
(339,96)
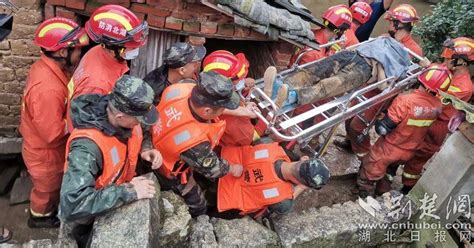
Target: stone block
(177,221)
(27,4)
(243,232)
(7,74)
(65,238)
(16,62)
(22,31)
(21,190)
(9,99)
(29,17)
(22,74)
(24,48)
(202,233)
(5,45)
(133,225)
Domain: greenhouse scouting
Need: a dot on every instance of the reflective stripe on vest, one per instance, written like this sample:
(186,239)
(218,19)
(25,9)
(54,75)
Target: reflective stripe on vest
(259,154)
(70,89)
(181,137)
(419,123)
(410,176)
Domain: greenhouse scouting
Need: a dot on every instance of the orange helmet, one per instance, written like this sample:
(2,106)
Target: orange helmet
(115,25)
(339,16)
(235,67)
(56,33)
(436,77)
(361,12)
(404,13)
(461,47)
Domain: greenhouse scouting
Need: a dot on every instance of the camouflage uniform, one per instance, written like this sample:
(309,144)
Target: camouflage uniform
(79,199)
(201,158)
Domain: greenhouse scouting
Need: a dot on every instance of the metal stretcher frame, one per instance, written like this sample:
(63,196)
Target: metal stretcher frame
(335,112)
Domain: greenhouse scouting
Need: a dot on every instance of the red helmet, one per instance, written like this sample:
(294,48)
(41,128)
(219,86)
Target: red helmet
(404,13)
(361,12)
(235,67)
(461,47)
(436,77)
(56,33)
(339,16)
(115,25)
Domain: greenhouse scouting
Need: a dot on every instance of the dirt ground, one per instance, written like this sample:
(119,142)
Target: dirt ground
(15,219)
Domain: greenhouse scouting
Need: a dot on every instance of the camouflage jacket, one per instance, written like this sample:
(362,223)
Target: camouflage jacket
(79,199)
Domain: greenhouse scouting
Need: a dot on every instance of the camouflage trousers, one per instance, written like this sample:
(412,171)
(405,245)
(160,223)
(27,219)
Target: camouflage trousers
(332,76)
(191,192)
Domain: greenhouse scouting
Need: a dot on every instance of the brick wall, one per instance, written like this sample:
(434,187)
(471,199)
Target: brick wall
(17,53)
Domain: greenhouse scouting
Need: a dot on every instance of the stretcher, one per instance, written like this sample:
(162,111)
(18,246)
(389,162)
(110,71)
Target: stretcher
(288,126)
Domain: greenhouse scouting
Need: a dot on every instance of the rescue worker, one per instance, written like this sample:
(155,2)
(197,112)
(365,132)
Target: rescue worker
(336,20)
(403,129)
(379,7)
(188,131)
(401,20)
(180,61)
(361,12)
(240,130)
(120,34)
(43,125)
(102,153)
(270,181)
(457,54)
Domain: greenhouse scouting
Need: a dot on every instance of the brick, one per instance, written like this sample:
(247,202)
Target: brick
(9,99)
(24,48)
(241,31)
(257,35)
(63,12)
(49,11)
(220,19)
(138,7)
(9,120)
(200,8)
(92,6)
(185,15)
(225,29)
(29,17)
(281,56)
(156,21)
(209,27)
(5,45)
(166,4)
(7,74)
(173,23)
(124,3)
(138,1)
(140,16)
(57,2)
(154,10)
(193,27)
(75,4)
(13,87)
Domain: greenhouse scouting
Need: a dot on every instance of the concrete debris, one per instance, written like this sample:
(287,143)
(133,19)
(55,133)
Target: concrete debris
(20,192)
(243,232)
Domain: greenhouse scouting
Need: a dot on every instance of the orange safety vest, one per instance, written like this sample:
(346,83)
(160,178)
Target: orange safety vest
(178,130)
(259,186)
(119,159)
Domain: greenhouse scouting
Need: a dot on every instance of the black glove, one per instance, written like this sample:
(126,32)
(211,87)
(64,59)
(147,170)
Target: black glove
(384,126)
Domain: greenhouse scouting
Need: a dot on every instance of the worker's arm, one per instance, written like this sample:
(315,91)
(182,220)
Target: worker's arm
(248,110)
(47,109)
(205,161)
(387,4)
(79,198)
